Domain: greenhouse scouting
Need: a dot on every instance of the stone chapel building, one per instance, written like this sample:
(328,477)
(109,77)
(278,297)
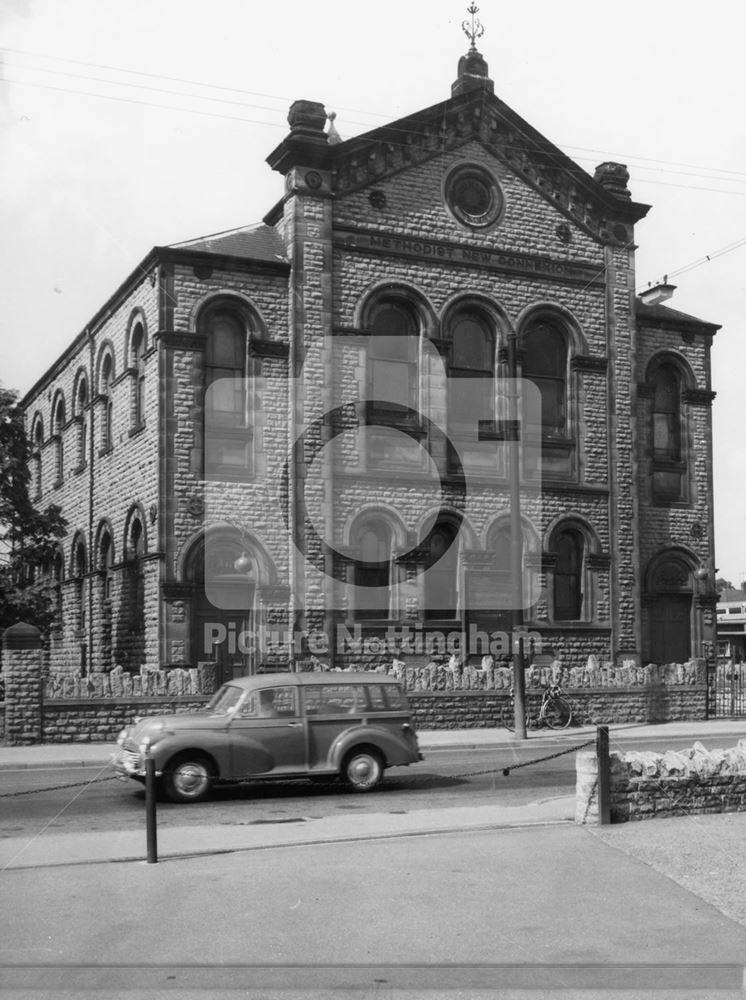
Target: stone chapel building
(319,435)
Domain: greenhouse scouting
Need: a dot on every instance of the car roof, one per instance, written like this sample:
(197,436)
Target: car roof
(311,679)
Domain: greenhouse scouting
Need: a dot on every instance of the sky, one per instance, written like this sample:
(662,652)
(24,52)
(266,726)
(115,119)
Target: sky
(128,124)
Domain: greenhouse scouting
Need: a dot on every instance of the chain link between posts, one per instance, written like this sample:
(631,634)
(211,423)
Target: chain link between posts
(330,778)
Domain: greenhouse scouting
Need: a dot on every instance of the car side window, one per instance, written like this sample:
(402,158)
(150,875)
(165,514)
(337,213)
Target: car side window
(397,701)
(334,699)
(376,698)
(270,703)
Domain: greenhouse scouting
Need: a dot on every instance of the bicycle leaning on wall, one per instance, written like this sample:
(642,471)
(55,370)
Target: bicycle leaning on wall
(555,710)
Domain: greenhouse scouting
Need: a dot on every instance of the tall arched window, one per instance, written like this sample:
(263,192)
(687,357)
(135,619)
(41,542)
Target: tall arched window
(441,577)
(373,569)
(392,359)
(38,440)
(545,363)
(500,546)
(666,434)
(569,546)
(58,428)
(81,408)
(666,415)
(228,444)
(107,374)
(130,620)
(471,366)
(138,362)
(106,559)
(79,569)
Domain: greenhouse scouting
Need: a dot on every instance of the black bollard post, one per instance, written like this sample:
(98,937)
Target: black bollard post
(604,775)
(150,815)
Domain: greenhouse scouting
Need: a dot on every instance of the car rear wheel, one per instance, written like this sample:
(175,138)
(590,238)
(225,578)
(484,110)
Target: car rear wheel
(188,778)
(363,769)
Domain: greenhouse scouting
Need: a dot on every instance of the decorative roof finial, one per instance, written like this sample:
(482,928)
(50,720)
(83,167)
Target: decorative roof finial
(476,29)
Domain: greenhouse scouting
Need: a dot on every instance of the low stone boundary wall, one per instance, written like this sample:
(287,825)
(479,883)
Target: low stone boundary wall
(92,721)
(643,785)
(99,719)
(486,709)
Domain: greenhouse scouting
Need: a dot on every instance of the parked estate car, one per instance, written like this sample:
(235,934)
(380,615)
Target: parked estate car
(316,726)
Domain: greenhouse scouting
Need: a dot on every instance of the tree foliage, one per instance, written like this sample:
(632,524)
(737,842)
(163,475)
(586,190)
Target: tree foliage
(28,536)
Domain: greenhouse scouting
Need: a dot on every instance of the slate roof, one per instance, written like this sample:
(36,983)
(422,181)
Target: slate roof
(257,242)
(660,315)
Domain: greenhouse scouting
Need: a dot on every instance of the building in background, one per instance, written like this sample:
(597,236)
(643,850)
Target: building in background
(295,439)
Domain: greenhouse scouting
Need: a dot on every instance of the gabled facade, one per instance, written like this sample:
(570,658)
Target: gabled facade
(300,438)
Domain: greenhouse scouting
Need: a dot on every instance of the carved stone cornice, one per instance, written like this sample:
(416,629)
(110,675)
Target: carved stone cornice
(446,126)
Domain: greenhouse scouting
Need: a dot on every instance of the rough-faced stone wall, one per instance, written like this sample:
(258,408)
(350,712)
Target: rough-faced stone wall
(644,785)
(103,483)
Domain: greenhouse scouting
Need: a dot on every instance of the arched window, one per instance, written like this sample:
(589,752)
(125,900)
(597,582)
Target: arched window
(666,434)
(392,359)
(81,407)
(471,366)
(373,569)
(107,374)
(545,363)
(224,577)
(228,439)
(138,361)
(58,428)
(38,440)
(666,415)
(58,575)
(136,596)
(79,569)
(441,577)
(106,559)
(569,545)
(500,547)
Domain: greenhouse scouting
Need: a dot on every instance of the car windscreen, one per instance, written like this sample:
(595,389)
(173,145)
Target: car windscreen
(224,699)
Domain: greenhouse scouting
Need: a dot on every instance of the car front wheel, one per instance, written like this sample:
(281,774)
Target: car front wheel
(363,769)
(188,778)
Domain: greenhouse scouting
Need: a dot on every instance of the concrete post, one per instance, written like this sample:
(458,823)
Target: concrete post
(22,669)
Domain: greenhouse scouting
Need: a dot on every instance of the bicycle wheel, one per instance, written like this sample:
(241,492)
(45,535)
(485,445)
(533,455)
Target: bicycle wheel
(557,713)
(509,721)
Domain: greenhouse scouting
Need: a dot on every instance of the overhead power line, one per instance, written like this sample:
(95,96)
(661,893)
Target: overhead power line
(716,174)
(706,259)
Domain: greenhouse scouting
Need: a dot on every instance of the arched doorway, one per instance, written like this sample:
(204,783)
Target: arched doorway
(670,591)
(224,577)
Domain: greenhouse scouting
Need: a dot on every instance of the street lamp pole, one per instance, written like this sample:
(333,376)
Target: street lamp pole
(516,539)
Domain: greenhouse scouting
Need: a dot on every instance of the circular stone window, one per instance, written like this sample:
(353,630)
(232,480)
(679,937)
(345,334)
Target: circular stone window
(473,196)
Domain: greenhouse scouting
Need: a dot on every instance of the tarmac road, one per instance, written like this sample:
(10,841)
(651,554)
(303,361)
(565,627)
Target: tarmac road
(448,778)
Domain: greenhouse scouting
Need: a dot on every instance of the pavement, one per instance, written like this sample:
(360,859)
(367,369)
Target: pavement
(487,900)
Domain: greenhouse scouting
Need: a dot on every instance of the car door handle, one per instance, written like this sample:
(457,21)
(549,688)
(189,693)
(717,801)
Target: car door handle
(294,725)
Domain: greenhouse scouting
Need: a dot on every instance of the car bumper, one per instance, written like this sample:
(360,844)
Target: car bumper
(128,764)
